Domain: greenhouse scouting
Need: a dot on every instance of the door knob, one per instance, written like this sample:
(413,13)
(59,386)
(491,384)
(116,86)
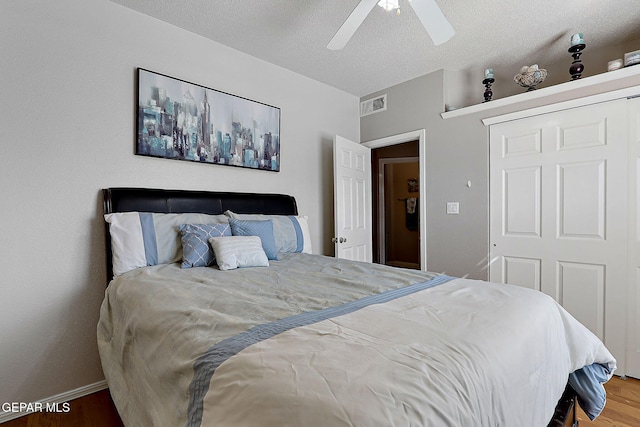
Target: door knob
(342,240)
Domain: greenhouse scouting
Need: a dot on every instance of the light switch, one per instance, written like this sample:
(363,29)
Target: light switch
(453,208)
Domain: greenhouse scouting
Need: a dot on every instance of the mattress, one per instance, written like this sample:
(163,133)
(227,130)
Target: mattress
(315,340)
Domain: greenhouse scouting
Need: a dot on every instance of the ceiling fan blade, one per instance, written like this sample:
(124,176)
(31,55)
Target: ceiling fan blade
(433,20)
(346,31)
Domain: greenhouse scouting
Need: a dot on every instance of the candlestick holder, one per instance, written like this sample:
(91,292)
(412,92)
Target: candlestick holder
(577,67)
(488,93)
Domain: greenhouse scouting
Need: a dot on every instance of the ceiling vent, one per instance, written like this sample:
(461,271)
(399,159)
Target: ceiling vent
(373,105)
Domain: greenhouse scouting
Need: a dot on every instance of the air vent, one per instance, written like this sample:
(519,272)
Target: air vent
(373,105)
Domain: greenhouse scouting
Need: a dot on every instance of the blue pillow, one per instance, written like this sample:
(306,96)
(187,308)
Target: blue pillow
(196,251)
(262,229)
(291,233)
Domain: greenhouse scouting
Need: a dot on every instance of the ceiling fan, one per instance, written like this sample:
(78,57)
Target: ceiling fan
(432,18)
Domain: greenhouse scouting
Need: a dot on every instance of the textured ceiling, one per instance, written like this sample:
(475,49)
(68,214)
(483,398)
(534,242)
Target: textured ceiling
(389,49)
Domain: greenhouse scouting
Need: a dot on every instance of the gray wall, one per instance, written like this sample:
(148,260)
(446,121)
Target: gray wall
(67,111)
(456,152)
(457,148)
(465,88)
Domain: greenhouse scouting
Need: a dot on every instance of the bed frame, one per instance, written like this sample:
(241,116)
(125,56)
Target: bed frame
(566,410)
(182,201)
(209,202)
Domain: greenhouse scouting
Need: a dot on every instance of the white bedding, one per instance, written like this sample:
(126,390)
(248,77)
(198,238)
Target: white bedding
(459,354)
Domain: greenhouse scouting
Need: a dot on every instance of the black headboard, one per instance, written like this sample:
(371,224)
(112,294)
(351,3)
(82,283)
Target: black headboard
(185,201)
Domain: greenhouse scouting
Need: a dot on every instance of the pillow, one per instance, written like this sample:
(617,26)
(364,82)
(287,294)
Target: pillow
(139,239)
(291,233)
(238,251)
(196,251)
(262,229)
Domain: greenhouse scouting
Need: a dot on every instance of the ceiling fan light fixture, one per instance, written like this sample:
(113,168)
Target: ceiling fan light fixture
(389,5)
(428,11)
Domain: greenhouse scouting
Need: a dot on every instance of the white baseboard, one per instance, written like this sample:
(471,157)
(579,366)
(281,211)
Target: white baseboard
(58,398)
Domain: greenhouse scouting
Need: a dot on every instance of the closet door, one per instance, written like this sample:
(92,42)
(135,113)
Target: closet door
(558,212)
(633,342)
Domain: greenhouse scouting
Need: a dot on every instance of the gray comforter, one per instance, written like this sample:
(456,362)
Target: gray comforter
(461,353)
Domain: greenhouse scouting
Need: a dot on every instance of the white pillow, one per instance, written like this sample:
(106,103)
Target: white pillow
(238,251)
(139,239)
(306,235)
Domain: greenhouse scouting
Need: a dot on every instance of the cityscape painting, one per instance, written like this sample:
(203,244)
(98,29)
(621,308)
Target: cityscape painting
(186,121)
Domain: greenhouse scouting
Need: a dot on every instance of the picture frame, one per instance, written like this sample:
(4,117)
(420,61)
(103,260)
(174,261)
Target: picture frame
(181,120)
(412,185)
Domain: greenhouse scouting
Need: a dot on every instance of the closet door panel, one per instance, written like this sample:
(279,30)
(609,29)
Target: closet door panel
(582,291)
(522,201)
(522,272)
(558,212)
(581,200)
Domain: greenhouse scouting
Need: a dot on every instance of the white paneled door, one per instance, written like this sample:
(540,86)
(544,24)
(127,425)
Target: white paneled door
(558,222)
(352,200)
(633,342)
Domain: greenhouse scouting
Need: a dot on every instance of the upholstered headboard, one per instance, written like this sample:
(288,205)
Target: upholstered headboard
(185,201)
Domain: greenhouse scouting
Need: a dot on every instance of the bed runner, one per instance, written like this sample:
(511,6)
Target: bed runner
(205,366)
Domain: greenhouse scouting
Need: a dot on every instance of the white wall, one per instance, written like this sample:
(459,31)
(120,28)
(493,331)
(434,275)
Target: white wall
(67,115)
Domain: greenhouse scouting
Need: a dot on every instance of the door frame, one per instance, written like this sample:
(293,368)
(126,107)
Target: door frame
(419,135)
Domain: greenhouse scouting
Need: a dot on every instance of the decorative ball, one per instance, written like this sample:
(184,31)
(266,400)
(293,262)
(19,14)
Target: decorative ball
(530,77)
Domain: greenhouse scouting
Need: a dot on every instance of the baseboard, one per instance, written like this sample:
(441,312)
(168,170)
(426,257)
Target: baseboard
(58,398)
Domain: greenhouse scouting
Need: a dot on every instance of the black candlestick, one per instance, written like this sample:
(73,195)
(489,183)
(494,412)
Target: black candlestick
(577,67)
(488,93)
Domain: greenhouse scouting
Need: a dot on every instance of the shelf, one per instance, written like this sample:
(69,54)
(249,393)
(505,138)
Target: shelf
(548,92)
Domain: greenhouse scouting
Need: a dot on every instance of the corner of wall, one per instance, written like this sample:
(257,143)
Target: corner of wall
(457,92)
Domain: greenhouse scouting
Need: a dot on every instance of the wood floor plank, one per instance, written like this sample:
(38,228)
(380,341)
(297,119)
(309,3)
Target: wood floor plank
(93,410)
(622,408)
(97,410)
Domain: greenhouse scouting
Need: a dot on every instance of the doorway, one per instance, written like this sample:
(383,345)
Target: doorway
(397,209)
(410,145)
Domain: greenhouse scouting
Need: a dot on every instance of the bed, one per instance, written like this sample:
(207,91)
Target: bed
(206,324)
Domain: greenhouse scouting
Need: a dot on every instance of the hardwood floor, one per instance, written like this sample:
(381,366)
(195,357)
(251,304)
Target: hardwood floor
(97,410)
(622,408)
(94,410)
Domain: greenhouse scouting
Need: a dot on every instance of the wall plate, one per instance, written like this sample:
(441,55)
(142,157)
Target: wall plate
(453,208)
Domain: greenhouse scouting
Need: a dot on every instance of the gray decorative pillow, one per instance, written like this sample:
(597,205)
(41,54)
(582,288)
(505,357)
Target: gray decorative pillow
(196,251)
